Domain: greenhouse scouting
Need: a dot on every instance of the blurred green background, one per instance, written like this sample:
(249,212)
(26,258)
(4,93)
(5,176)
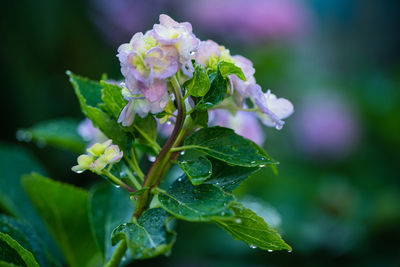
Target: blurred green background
(336,199)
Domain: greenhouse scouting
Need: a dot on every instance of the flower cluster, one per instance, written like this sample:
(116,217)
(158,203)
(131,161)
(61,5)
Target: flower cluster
(150,60)
(98,157)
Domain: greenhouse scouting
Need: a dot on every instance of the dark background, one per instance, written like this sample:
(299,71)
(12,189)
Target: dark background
(337,197)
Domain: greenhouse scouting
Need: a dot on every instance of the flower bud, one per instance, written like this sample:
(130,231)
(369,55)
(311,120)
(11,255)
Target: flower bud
(99,164)
(99,148)
(84,162)
(113,154)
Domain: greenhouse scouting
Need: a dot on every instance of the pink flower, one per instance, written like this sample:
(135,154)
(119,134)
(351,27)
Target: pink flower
(146,64)
(179,35)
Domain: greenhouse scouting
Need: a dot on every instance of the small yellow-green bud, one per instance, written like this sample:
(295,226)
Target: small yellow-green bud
(84,162)
(98,149)
(99,164)
(113,154)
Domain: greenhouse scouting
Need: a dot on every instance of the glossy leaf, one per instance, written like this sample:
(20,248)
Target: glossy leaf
(228,177)
(196,203)
(216,93)
(108,208)
(198,170)
(26,236)
(89,95)
(147,128)
(227,68)
(149,236)
(199,85)
(64,208)
(16,161)
(252,229)
(62,133)
(13,253)
(224,144)
(200,117)
(113,98)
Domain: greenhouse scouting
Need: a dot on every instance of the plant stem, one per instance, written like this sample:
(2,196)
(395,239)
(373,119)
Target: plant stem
(118,255)
(155,173)
(118,181)
(136,163)
(155,145)
(158,169)
(132,177)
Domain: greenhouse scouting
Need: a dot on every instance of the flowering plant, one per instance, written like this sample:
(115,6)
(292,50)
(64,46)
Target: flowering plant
(172,80)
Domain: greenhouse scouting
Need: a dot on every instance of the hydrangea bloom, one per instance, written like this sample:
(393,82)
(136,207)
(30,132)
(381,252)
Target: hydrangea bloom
(273,109)
(209,54)
(150,59)
(179,35)
(141,106)
(146,64)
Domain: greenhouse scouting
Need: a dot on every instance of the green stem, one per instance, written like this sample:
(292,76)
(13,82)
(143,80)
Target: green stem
(133,179)
(118,181)
(155,145)
(158,169)
(136,163)
(134,168)
(155,173)
(118,255)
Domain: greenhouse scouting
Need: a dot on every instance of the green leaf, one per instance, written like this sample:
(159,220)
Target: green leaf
(113,98)
(252,229)
(198,170)
(87,90)
(196,203)
(149,236)
(26,236)
(199,85)
(200,117)
(227,68)
(228,177)
(64,208)
(62,133)
(14,162)
(224,144)
(147,128)
(216,93)
(108,208)
(13,253)
(89,95)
